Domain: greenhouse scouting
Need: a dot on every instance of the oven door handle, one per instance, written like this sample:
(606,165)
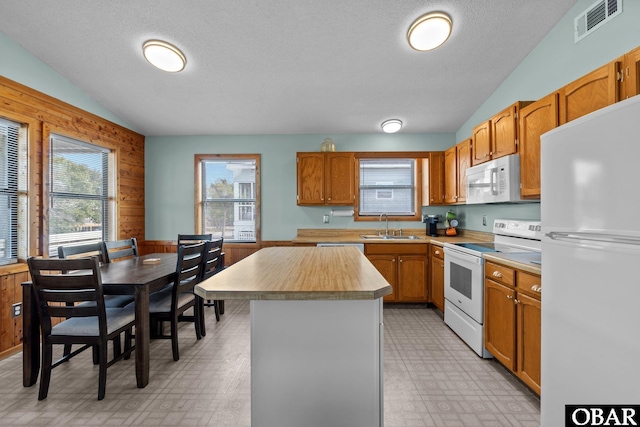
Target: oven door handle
(453,254)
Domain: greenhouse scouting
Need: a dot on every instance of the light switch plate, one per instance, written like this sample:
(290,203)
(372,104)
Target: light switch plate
(325,219)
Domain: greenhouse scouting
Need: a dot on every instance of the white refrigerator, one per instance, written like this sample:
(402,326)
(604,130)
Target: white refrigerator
(590,211)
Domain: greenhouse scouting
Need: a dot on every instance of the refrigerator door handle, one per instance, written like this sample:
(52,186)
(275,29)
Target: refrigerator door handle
(593,237)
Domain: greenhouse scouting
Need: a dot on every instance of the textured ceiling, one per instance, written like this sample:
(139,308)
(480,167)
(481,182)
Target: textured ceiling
(282,66)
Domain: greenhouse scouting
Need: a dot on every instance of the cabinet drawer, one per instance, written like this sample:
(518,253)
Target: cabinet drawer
(396,248)
(437,252)
(529,282)
(500,273)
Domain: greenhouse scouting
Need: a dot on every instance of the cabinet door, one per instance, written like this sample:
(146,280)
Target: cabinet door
(589,93)
(412,278)
(499,322)
(481,150)
(630,75)
(435,182)
(464,161)
(387,266)
(310,171)
(535,119)
(339,178)
(504,132)
(450,176)
(529,337)
(437,283)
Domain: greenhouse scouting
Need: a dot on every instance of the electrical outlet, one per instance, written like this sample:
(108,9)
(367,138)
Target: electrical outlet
(16,309)
(484,220)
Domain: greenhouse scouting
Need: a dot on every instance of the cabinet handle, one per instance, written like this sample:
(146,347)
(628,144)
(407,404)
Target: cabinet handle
(329,198)
(516,301)
(400,260)
(497,274)
(509,297)
(437,252)
(535,288)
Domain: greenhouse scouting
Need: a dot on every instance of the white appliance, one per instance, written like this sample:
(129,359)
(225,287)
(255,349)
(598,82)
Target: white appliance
(495,181)
(591,258)
(464,276)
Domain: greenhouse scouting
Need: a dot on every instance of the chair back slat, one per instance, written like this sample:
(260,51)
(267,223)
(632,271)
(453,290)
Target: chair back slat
(190,239)
(57,292)
(188,269)
(118,249)
(82,251)
(213,258)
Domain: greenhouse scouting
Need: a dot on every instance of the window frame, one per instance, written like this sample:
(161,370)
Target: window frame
(198,192)
(418,157)
(111,217)
(16,188)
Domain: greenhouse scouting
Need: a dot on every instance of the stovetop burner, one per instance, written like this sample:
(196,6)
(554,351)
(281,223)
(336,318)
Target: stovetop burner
(511,236)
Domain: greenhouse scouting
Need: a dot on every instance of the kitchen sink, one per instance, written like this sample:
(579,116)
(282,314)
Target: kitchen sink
(376,237)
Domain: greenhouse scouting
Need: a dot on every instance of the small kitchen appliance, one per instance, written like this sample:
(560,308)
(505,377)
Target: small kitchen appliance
(432,225)
(464,276)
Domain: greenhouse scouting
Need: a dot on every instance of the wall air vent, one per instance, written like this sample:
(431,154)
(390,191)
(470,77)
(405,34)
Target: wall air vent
(595,17)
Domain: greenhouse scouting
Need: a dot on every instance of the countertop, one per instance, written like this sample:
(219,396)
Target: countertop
(313,236)
(298,273)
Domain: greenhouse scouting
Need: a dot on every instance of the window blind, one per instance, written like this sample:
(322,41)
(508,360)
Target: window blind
(9,139)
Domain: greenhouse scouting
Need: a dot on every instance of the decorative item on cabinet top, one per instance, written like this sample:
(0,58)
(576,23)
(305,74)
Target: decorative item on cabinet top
(327,145)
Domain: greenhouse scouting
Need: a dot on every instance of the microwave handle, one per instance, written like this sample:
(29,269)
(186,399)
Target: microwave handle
(494,181)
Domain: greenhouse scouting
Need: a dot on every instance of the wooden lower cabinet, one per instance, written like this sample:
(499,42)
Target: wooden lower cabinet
(512,321)
(404,266)
(437,276)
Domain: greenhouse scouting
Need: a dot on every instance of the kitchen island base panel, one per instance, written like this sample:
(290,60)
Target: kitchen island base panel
(316,363)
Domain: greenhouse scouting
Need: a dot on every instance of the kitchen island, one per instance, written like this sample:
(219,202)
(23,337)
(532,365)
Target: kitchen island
(316,334)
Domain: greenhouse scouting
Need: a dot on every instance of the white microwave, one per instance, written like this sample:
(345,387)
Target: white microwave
(495,181)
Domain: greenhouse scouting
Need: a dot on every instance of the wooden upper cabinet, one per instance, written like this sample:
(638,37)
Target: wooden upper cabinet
(629,77)
(590,92)
(464,162)
(435,184)
(481,136)
(535,119)
(340,178)
(451,175)
(457,160)
(326,178)
(498,136)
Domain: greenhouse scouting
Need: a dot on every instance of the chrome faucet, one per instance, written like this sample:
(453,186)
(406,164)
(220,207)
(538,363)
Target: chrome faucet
(386,230)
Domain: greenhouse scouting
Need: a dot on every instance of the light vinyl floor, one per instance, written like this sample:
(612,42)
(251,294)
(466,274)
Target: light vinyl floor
(431,379)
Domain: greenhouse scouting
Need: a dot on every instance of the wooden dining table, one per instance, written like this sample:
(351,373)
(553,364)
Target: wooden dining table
(126,277)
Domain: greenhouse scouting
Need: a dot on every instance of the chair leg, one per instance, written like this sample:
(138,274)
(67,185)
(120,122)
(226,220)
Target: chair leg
(45,373)
(216,308)
(221,304)
(127,344)
(174,338)
(96,356)
(117,348)
(67,350)
(102,377)
(196,317)
(200,314)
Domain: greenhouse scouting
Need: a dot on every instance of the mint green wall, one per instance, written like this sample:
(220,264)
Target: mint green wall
(169,178)
(21,66)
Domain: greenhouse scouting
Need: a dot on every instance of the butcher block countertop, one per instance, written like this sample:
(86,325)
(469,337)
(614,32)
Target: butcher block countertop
(298,273)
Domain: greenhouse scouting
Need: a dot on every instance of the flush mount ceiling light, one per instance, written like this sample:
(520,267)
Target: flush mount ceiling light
(429,31)
(391,126)
(164,55)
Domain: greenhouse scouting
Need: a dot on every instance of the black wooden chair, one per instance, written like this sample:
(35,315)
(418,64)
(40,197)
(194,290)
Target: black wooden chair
(170,305)
(213,263)
(190,239)
(77,298)
(99,250)
(120,249)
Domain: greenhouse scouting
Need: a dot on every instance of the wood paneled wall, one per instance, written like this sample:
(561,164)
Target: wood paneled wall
(44,115)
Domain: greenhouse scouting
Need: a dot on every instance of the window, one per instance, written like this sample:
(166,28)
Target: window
(228,187)
(387,185)
(13,183)
(79,205)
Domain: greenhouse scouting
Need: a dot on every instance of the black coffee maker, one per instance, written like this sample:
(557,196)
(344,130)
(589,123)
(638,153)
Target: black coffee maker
(432,221)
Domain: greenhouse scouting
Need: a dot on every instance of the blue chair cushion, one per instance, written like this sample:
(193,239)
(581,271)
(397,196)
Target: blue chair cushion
(88,326)
(160,302)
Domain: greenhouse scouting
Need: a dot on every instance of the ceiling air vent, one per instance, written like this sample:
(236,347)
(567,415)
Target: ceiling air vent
(596,16)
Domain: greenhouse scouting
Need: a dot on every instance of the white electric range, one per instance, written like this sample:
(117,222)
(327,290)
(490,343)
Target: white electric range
(464,276)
